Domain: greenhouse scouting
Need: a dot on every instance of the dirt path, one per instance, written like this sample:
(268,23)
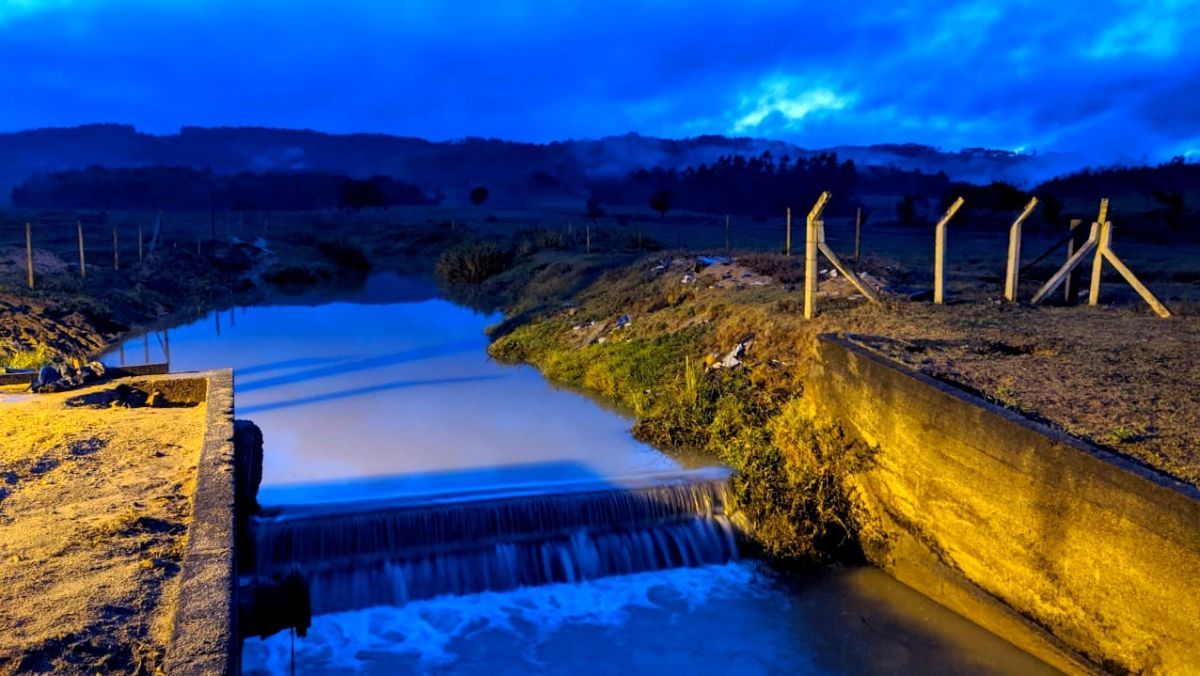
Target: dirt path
(94,506)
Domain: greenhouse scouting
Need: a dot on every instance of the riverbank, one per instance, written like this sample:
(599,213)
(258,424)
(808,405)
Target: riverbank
(653,336)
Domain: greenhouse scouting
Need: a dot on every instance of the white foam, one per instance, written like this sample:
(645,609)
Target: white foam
(424,634)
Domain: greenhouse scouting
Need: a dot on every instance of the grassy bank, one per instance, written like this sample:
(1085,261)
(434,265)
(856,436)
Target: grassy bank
(641,337)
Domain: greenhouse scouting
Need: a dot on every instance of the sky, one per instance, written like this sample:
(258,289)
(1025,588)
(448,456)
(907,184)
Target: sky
(1111,79)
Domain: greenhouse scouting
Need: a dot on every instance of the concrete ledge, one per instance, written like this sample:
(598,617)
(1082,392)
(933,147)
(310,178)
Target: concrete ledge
(205,639)
(1010,522)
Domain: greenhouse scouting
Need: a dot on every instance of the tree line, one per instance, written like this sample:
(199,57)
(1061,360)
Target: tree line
(189,189)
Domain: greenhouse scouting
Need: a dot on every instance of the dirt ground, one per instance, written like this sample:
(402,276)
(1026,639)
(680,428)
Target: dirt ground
(94,506)
(1125,380)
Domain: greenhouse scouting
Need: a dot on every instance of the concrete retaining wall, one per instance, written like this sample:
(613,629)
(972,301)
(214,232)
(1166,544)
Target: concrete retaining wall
(1008,522)
(205,639)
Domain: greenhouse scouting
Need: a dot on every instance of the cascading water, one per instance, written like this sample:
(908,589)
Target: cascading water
(409,549)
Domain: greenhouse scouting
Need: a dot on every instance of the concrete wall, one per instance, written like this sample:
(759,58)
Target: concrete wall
(1014,525)
(204,639)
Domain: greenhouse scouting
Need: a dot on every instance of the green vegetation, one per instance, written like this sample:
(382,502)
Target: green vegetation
(472,262)
(791,477)
(26,360)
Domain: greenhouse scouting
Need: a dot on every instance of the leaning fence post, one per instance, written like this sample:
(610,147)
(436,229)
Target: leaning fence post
(939,252)
(82,261)
(29,251)
(1014,252)
(810,255)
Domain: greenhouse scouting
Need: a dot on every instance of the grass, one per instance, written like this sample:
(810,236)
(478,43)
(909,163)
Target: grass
(472,262)
(790,482)
(26,360)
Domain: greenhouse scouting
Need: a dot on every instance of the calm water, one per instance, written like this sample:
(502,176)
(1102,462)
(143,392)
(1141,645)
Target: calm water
(389,390)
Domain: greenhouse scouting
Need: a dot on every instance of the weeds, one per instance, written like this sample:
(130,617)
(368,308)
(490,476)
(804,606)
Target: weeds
(472,262)
(790,477)
(27,360)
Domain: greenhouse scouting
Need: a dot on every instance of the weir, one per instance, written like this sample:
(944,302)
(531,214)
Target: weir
(388,552)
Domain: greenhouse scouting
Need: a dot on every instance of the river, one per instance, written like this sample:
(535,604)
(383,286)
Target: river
(387,391)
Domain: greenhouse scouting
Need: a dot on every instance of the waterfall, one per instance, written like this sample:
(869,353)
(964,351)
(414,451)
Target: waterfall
(387,553)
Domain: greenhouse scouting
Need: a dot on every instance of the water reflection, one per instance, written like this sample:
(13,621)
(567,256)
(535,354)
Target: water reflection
(392,381)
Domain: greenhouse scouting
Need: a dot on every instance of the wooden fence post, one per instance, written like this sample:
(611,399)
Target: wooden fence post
(1101,243)
(116,250)
(1078,239)
(29,251)
(787,242)
(1014,252)
(939,252)
(810,255)
(857,233)
(82,260)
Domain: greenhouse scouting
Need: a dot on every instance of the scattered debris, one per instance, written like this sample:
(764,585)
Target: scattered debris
(689,278)
(735,356)
(623,321)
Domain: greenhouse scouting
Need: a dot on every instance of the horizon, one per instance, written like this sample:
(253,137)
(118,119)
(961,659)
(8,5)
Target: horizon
(978,75)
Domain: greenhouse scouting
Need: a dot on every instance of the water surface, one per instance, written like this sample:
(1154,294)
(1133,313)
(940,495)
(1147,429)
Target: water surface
(391,389)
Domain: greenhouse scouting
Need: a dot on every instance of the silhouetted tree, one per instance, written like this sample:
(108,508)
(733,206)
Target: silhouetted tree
(660,201)
(479,195)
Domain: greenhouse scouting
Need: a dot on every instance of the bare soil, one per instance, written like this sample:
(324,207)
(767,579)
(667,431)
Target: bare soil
(94,508)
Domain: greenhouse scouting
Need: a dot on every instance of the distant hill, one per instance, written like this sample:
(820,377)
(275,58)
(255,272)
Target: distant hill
(453,167)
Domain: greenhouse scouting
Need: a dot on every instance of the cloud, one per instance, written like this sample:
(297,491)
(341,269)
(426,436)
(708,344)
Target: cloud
(1003,73)
(777,97)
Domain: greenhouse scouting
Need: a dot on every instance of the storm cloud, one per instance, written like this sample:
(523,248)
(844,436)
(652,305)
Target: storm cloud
(1109,80)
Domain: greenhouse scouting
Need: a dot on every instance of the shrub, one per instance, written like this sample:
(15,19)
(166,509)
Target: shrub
(472,262)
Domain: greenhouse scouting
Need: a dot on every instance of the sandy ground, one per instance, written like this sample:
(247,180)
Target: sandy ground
(94,506)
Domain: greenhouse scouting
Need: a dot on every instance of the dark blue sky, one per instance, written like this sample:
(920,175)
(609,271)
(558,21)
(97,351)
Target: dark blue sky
(1110,79)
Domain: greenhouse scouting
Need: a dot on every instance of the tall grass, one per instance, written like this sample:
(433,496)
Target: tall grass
(472,262)
(26,360)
